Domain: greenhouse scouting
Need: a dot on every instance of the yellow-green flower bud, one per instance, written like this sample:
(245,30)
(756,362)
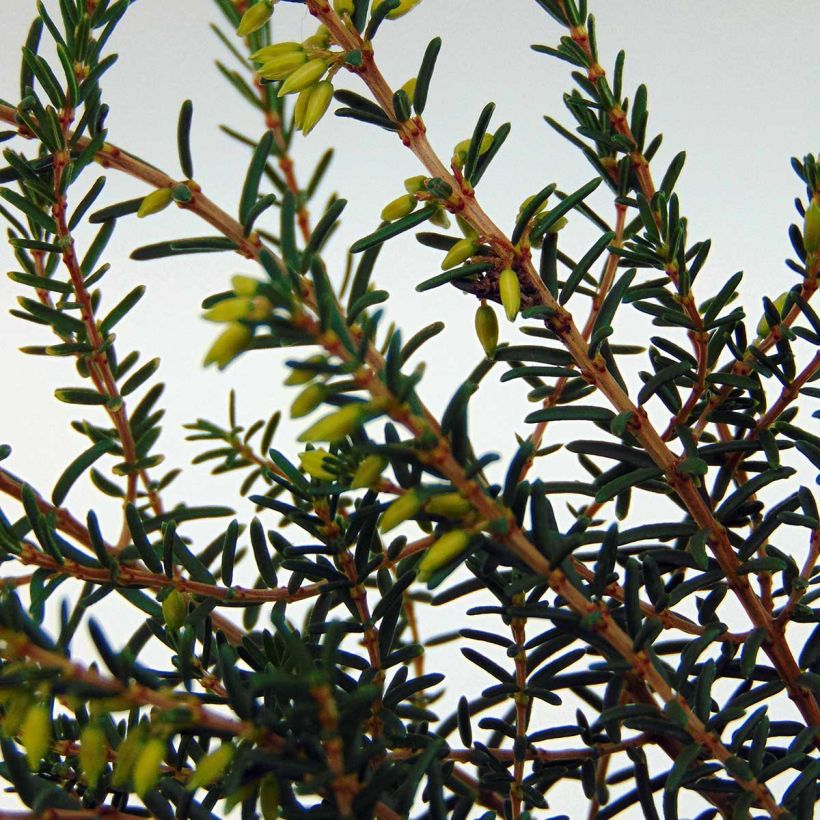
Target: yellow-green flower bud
(35,734)
(403,8)
(255,17)
(303,376)
(230,343)
(229,310)
(146,767)
(415,184)
(244,285)
(308,74)
(811,228)
(486,328)
(400,207)
(466,228)
(313,463)
(93,754)
(463,148)
(459,253)
(527,201)
(276,50)
(300,108)
(368,472)
(307,401)
(337,425)
(283,65)
(269,797)
(404,507)
(449,547)
(409,87)
(155,202)
(127,753)
(343,6)
(174,609)
(317,104)
(763,325)
(451,505)
(211,767)
(321,38)
(16,704)
(510,290)
(440,219)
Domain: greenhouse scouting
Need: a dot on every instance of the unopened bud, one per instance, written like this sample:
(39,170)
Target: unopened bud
(811,228)
(409,87)
(320,39)
(16,703)
(415,184)
(459,253)
(344,6)
(255,17)
(211,767)
(283,65)
(368,472)
(451,505)
(763,325)
(461,150)
(313,463)
(527,201)
(317,104)
(307,401)
(400,207)
(276,50)
(174,609)
(244,285)
(35,734)
(308,74)
(337,425)
(155,202)
(269,797)
(440,219)
(229,310)
(403,8)
(146,767)
(404,507)
(127,753)
(303,376)
(510,290)
(466,228)
(93,754)
(486,328)
(231,343)
(449,547)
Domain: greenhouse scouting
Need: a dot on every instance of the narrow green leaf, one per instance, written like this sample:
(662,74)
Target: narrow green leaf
(621,483)
(391,229)
(186,113)
(76,468)
(425,75)
(181,247)
(120,310)
(571,413)
(250,190)
(566,205)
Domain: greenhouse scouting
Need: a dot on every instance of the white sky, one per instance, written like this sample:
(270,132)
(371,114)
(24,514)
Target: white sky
(733,83)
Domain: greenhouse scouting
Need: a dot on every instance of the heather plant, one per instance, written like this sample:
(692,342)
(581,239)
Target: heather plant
(657,659)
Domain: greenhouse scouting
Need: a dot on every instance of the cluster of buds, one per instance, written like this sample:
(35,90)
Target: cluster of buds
(238,312)
(318,463)
(300,68)
(413,502)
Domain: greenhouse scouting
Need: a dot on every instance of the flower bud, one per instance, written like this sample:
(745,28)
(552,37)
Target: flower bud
(763,325)
(463,148)
(127,753)
(93,754)
(174,609)
(300,108)
(368,472)
(255,17)
(146,767)
(337,425)
(313,463)
(244,285)
(211,767)
(451,505)
(229,310)
(304,76)
(510,290)
(459,253)
(527,201)
(298,376)
(449,547)
(155,202)
(320,39)
(486,328)
(811,228)
(415,184)
(344,6)
(440,219)
(317,104)
(400,207)
(269,797)
(35,734)
(231,343)
(403,8)
(276,50)
(308,400)
(409,87)
(466,228)
(16,703)
(283,65)
(404,507)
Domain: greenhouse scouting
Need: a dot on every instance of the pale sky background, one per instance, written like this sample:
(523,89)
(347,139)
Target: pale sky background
(733,83)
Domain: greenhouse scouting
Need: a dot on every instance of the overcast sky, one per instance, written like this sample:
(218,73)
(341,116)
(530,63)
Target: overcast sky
(733,83)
